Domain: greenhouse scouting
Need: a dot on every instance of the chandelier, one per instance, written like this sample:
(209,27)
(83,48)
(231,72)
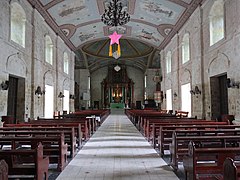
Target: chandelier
(114,14)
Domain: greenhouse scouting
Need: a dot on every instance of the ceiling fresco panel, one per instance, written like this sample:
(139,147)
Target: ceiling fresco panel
(146,33)
(158,11)
(76,12)
(87,33)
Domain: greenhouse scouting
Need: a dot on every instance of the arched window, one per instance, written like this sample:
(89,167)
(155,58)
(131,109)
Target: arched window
(216,22)
(65,62)
(168,62)
(48,50)
(18,24)
(185,48)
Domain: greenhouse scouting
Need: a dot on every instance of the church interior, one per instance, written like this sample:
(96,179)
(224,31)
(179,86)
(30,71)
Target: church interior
(123,89)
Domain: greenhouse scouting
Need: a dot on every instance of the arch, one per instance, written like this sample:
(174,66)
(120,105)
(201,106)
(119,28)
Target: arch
(216,22)
(186,48)
(66,84)
(18,24)
(218,65)
(48,49)
(186,76)
(14,61)
(48,78)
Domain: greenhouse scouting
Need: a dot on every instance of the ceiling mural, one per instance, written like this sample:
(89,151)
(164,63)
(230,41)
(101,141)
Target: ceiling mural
(158,12)
(87,33)
(146,33)
(74,12)
(152,25)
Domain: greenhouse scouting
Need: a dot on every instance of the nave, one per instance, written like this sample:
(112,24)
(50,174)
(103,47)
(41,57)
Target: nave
(117,150)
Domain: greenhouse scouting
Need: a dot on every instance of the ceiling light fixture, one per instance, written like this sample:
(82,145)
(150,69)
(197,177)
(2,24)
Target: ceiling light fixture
(114,14)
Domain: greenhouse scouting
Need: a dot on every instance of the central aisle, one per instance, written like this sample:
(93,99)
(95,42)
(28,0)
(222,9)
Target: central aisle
(117,151)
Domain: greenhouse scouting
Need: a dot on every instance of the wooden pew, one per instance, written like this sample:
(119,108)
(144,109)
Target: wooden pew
(53,147)
(153,116)
(3,170)
(85,124)
(162,136)
(206,163)
(37,166)
(231,171)
(137,116)
(68,132)
(97,116)
(103,114)
(180,143)
(58,126)
(153,125)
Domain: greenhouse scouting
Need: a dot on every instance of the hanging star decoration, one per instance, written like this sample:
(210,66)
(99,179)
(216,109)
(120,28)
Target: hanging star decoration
(115,40)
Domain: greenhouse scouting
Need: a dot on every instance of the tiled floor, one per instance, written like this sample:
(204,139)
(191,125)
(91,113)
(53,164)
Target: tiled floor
(117,151)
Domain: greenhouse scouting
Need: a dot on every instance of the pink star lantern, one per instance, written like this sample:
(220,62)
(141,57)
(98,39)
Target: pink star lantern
(115,38)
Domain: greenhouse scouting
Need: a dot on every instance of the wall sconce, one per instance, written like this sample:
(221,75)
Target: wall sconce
(39,92)
(232,84)
(71,96)
(61,95)
(175,94)
(195,91)
(5,85)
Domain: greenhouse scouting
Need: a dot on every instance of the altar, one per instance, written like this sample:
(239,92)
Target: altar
(117,105)
(117,89)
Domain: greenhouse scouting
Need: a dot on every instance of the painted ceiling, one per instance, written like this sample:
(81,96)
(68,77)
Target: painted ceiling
(152,25)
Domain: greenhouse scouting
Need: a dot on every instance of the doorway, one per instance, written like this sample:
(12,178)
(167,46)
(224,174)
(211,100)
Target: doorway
(66,101)
(219,96)
(186,98)
(48,105)
(16,98)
